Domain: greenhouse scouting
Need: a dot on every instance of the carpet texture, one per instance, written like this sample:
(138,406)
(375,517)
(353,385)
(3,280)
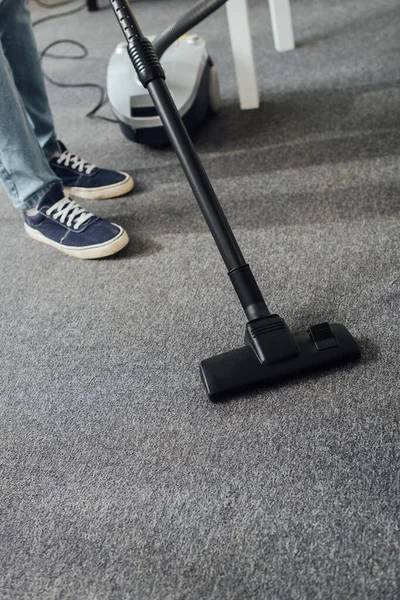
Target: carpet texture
(119,480)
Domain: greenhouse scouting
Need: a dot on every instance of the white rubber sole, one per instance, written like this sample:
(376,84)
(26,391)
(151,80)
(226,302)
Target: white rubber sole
(89,252)
(103,193)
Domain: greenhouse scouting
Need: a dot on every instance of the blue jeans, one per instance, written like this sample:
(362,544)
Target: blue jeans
(27,135)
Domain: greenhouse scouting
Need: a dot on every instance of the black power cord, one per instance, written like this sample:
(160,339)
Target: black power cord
(53,4)
(92,114)
(58,15)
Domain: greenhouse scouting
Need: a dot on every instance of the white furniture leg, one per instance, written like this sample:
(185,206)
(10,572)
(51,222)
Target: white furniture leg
(282,27)
(242,48)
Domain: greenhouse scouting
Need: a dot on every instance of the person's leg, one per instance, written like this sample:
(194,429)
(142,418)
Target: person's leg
(19,46)
(50,216)
(24,170)
(78,176)
(24,80)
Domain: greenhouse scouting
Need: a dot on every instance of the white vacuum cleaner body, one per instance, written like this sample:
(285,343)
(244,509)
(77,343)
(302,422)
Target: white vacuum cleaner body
(192,80)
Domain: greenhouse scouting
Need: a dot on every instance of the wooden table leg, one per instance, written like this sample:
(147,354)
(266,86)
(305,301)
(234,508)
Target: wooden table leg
(282,28)
(242,49)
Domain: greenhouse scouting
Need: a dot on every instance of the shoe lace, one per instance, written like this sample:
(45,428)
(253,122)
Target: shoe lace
(68,210)
(69,158)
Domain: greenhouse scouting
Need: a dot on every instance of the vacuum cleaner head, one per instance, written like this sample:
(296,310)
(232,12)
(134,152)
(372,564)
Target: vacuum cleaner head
(320,347)
(192,80)
(271,353)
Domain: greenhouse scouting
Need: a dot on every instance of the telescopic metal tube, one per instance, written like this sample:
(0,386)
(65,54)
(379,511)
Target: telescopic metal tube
(127,20)
(197,177)
(150,72)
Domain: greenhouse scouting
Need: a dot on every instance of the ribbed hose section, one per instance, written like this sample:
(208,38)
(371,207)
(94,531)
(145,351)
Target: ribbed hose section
(189,19)
(145,60)
(140,49)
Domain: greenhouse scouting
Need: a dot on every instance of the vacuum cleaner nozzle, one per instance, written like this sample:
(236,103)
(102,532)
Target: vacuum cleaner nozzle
(272,353)
(320,347)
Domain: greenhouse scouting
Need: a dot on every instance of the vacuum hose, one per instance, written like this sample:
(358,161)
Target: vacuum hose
(189,19)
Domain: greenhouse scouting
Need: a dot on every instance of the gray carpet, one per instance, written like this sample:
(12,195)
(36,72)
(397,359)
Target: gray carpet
(119,480)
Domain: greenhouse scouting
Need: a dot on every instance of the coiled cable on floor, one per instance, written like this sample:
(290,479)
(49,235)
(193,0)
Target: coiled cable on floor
(58,15)
(161,43)
(92,114)
(53,4)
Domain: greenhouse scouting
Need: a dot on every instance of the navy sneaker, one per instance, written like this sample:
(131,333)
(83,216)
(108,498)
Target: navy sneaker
(59,222)
(84,180)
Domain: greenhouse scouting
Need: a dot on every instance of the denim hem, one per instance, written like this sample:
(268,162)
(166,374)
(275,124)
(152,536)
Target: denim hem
(33,200)
(8,184)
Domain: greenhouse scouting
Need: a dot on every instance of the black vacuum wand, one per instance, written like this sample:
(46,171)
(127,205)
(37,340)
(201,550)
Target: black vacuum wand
(271,353)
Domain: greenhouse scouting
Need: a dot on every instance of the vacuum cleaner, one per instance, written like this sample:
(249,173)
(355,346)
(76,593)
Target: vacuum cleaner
(192,80)
(271,352)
